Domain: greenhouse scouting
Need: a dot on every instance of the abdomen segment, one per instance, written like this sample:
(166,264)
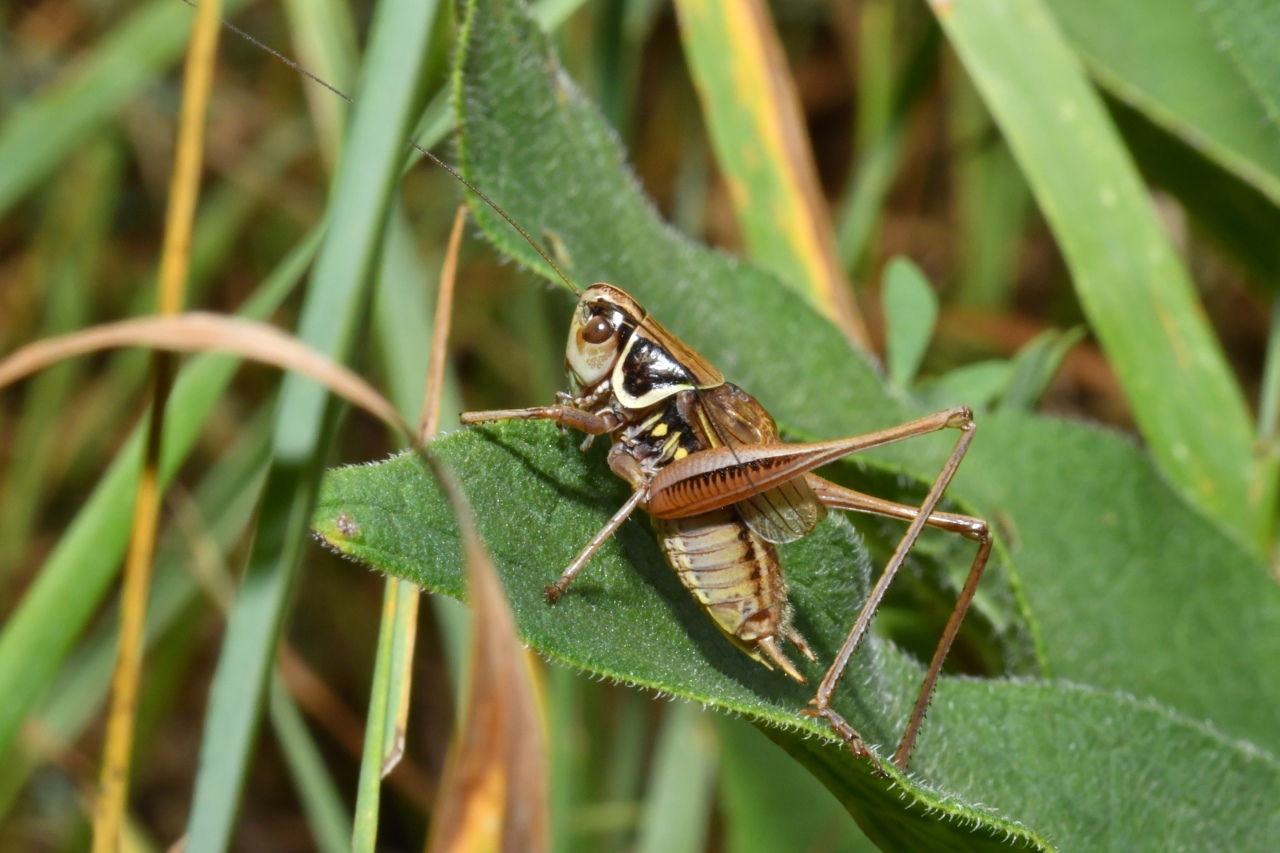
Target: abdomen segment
(734,573)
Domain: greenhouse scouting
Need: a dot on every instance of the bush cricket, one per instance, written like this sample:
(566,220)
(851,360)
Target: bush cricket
(704,459)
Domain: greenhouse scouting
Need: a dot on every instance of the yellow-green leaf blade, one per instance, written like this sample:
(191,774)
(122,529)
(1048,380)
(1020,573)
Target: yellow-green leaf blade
(754,119)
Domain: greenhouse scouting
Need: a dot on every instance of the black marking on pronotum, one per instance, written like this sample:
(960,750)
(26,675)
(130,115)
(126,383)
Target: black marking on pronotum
(650,367)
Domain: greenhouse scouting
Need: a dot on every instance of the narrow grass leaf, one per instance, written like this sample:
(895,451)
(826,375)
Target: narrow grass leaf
(68,248)
(753,115)
(569,759)
(1137,295)
(324,34)
(625,762)
(331,320)
(771,803)
(321,802)
(364,836)
(910,313)
(882,150)
(677,809)
(876,71)
(992,202)
(1172,60)
(48,127)
(73,580)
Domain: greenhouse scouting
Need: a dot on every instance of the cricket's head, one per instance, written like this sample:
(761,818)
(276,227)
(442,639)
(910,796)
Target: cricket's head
(602,323)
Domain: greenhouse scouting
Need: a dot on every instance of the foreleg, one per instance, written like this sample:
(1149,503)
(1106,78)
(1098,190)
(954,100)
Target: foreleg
(591,424)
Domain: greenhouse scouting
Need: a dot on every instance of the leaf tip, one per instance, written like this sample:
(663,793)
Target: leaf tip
(337,532)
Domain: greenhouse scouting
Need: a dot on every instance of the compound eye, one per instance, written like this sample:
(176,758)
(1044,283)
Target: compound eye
(597,331)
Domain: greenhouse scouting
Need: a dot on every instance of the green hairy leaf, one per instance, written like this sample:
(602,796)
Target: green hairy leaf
(1154,617)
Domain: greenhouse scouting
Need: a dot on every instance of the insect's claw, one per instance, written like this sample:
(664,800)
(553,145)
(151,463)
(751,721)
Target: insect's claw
(847,732)
(552,593)
(586,443)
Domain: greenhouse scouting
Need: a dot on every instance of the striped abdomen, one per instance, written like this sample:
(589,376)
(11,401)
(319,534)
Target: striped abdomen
(734,574)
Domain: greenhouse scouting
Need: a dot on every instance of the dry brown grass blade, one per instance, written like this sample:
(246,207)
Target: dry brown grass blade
(430,420)
(117,751)
(200,332)
(493,796)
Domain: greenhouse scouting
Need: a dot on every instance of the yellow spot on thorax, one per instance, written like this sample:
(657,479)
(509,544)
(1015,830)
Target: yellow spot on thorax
(659,431)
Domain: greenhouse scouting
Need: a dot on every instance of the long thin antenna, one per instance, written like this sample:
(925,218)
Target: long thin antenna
(442,164)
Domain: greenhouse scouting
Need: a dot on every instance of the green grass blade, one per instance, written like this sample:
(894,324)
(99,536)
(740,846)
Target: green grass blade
(1171,60)
(880,155)
(73,580)
(771,803)
(325,35)
(68,251)
(567,751)
(368,796)
(321,801)
(226,498)
(677,809)
(1138,297)
(625,762)
(992,202)
(402,317)
(43,131)
(331,320)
